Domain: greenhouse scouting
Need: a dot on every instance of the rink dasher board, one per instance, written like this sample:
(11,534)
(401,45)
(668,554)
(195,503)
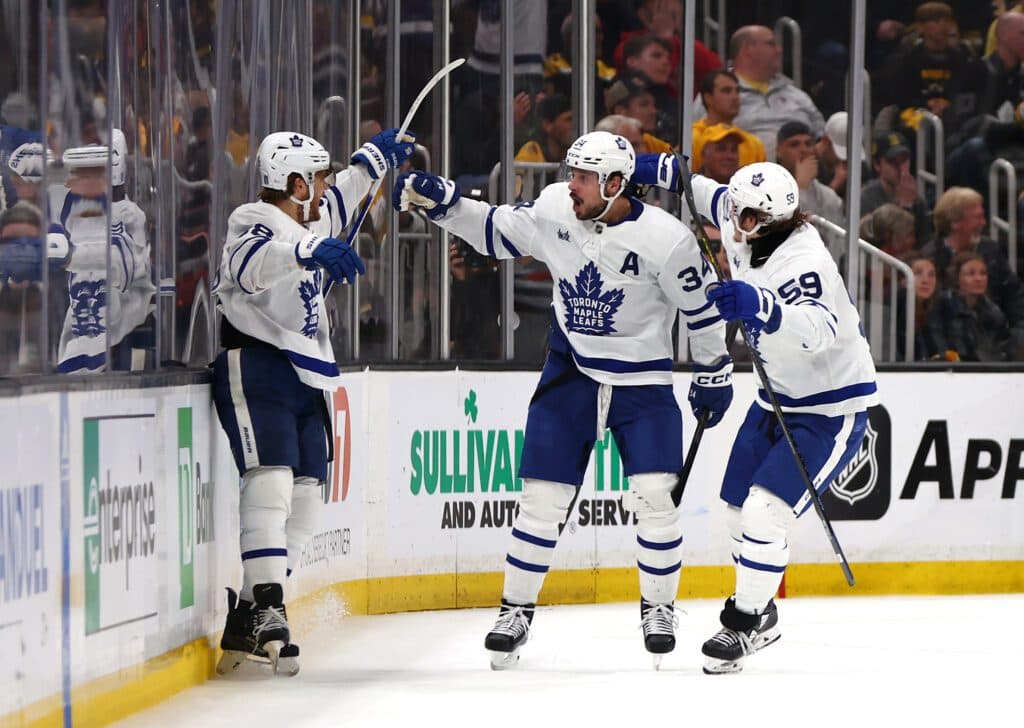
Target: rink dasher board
(122,607)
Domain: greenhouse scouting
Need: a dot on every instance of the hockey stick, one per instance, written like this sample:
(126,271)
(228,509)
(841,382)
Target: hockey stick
(354,228)
(702,238)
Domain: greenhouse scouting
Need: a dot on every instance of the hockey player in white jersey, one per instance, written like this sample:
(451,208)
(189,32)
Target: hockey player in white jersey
(788,292)
(622,269)
(270,381)
(101,307)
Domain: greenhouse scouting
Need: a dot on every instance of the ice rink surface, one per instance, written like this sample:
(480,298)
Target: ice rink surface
(871,662)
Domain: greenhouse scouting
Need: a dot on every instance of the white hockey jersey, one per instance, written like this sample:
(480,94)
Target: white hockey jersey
(818,361)
(264,291)
(617,287)
(100,307)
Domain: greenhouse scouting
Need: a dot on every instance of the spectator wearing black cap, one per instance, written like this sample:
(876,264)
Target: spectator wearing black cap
(556,132)
(894,182)
(631,96)
(795,151)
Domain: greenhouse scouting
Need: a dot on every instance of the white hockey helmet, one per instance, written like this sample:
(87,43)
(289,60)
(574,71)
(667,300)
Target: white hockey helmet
(284,153)
(97,155)
(27,161)
(604,153)
(766,188)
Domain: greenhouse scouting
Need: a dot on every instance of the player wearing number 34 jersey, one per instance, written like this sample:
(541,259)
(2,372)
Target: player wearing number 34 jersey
(788,293)
(622,269)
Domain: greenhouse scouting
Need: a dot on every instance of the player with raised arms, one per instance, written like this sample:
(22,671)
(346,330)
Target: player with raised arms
(270,381)
(622,271)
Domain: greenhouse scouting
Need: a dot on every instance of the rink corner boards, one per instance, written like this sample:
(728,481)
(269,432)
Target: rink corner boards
(118,695)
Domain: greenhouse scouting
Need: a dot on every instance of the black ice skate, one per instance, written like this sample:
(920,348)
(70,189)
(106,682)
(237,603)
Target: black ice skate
(509,634)
(742,634)
(258,631)
(658,622)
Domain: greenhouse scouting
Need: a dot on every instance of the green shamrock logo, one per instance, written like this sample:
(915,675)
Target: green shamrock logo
(469,406)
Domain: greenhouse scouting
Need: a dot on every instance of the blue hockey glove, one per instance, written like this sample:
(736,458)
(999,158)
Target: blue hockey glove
(434,194)
(384,151)
(757,307)
(335,256)
(21,259)
(657,169)
(711,390)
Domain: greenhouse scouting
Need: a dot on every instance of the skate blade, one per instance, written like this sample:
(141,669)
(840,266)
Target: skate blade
(231,660)
(714,666)
(656,661)
(284,658)
(764,639)
(504,660)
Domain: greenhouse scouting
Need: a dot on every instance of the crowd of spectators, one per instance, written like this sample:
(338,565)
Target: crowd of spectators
(952,60)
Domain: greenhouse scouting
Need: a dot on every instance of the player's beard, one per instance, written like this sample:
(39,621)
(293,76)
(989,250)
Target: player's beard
(586,213)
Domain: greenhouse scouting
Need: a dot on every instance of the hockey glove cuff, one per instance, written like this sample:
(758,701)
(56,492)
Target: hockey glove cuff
(657,169)
(58,244)
(335,256)
(711,390)
(434,194)
(385,151)
(756,307)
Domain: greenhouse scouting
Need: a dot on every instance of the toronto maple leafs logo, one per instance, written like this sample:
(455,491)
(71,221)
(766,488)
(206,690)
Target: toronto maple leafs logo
(757,179)
(88,303)
(308,293)
(588,309)
(296,140)
(620,142)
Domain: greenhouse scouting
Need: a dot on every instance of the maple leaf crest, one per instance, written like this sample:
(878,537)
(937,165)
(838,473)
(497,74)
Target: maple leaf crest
(588,308)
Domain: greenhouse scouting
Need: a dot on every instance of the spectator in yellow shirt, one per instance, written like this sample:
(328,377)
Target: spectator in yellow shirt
(720,93)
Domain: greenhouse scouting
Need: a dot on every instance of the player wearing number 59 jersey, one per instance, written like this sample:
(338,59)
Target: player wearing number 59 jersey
(622,270)
(787,291)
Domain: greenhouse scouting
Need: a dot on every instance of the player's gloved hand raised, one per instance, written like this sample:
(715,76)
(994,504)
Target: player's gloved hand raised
(434,194)
(335,256)
(656,169)
(757,307)
(384,151)
(711,390)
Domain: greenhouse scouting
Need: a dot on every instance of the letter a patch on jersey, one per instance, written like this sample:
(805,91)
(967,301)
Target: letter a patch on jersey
(588,309)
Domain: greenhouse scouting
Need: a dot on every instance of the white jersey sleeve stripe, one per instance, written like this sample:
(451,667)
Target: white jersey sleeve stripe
(714,205)
(253,249)
(696,311)
(340,208)
(489,232)
(703,323)
(812,302)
